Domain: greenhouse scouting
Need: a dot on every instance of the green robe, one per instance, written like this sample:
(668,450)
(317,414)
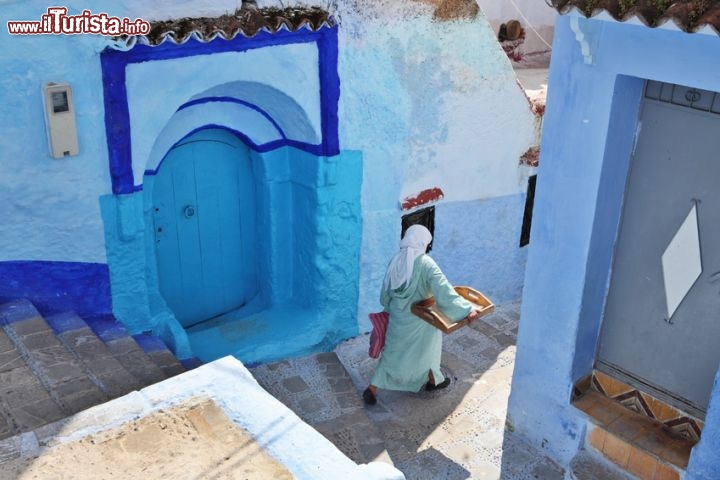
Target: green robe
(412,346)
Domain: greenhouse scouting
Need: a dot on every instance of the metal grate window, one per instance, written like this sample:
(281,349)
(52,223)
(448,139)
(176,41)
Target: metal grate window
(696,98)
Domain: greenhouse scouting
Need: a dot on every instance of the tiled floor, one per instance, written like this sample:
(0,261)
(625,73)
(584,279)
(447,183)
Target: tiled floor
(456,433)
(637,443)
(645,404)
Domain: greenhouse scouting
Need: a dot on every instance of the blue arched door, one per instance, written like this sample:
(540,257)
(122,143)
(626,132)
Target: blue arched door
(204,221)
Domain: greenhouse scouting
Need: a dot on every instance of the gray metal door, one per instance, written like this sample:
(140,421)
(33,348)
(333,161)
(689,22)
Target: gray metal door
(661,327)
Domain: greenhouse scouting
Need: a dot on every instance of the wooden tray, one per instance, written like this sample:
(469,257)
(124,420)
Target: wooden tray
(428,311)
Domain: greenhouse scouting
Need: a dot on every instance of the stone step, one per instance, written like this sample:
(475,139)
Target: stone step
(319,390)
(587,466)
(191,363)
(160,354)
(57,369)
(640,445)
(126,350)
(24,402)
(97,359)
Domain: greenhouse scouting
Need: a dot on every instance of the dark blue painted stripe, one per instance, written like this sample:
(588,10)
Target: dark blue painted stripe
(252,106)
(150,343)
(65,322)
(117,116)
(55,287)
(191,363)
(16,311)
(117,124)
(329,91)
(266,147)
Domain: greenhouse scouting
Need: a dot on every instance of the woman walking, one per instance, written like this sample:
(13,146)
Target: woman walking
(411,356)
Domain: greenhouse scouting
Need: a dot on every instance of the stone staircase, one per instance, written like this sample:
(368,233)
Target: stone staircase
(55,366)
(588,464)
(641,446)
(319,390)
(458,432)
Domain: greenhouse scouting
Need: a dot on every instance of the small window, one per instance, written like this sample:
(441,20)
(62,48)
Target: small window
(425,217)
(527,216)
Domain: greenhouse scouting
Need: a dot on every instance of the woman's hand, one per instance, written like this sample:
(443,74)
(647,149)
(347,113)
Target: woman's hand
(474,314)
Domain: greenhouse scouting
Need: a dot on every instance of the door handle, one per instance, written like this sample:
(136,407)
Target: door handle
(189,211)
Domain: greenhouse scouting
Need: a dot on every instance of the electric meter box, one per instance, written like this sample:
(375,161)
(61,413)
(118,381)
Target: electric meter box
(60,120)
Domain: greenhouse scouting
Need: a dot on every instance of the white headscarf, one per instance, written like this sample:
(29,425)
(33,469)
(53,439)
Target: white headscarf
(412,245)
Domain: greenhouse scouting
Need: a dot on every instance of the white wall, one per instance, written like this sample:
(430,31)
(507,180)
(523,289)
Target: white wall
(430,104)
(537,13)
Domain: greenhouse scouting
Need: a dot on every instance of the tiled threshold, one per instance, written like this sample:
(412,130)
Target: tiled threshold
(639,444)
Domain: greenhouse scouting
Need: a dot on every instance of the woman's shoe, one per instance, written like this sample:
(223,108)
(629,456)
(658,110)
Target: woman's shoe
(369,397)
(430,387)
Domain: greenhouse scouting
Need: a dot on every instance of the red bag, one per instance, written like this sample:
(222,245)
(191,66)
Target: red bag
(377,336)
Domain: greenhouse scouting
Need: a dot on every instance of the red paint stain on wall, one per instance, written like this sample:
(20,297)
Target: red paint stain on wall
(426,196)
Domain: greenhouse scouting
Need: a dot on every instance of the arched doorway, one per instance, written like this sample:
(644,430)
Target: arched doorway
(203,208)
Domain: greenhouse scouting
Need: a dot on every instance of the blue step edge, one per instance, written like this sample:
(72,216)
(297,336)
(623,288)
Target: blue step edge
(107,327)
(65,322)
(191,363)
(17,310)
(150,343)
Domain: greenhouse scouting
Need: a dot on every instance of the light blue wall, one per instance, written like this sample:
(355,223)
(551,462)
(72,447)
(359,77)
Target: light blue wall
(289,101)
(427,103)
(587,136)
(309,227)
(327,238)
(290,69)
(437,105)
(46,216)
(477,243)
(133,272)
(618,149)
(59,218)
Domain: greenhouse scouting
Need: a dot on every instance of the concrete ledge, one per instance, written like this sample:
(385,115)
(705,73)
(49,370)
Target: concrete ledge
(276,429)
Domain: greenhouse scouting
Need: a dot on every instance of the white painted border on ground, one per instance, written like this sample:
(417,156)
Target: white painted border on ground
(276,429)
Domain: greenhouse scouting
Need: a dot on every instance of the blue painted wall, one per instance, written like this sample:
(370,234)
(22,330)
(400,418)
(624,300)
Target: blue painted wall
(309,278)
(436,105)
(49,207)
(477,243)
(307,207)
(309,231)
(452,117)
(593,97)
(297,86)
(623,124)
(57,286)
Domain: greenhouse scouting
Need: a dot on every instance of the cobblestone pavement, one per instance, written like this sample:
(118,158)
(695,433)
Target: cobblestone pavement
(455,433)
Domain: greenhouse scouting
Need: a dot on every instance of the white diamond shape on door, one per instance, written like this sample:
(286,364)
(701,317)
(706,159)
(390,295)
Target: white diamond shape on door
(681,262)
